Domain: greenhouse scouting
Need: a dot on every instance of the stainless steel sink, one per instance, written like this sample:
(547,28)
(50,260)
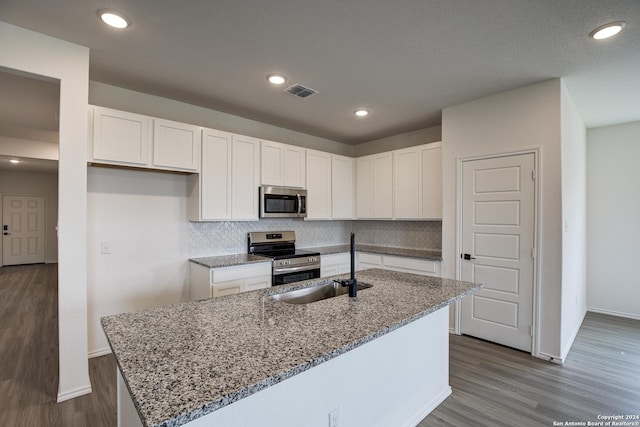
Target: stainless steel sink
(316,293)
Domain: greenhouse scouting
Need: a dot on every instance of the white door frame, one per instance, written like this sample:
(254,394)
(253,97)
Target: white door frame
(536,151)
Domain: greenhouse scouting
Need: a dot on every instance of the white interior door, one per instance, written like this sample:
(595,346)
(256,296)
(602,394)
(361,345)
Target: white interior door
(498,225)
(23,231)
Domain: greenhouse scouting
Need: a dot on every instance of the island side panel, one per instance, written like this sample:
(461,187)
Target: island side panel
(394,380)
(127,413)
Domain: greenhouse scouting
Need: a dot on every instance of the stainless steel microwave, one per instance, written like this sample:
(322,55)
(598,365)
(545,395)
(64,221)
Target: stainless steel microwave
(282,202)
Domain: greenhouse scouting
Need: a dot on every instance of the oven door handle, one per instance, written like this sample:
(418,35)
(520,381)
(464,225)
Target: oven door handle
(293,269)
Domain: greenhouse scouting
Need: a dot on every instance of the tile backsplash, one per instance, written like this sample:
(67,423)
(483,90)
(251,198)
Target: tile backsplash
(230,237)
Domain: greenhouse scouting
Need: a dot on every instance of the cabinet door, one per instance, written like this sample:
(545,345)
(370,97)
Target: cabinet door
(260,282)
(215,177)
(120,137)
(294,166)
(364,185)
(383,186)
(318,185)
(406,184)
(342,187)
(366,260)
(245,178)
(271,163)
(176,146)
(431,158)
(227,288)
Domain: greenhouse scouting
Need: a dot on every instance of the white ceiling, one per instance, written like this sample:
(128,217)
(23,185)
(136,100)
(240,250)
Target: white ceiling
(405,60)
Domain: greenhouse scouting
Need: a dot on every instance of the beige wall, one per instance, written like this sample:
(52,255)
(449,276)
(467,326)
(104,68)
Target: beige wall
(137,102)
(36,184)
(31,52)
(403,140)
(613,227)
(521,119)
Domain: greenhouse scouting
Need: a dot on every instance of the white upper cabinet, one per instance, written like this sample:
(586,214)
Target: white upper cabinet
(211,190)
(245,178)
(282,165)
(342,187)
(176,145)
(120,137)
(406,183)
(227,187)
(431,181)
(294,166)
(417,182)
(318,185)
(375,186)
(128,139)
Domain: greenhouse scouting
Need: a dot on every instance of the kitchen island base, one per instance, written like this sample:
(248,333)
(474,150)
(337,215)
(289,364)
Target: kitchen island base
(394,380)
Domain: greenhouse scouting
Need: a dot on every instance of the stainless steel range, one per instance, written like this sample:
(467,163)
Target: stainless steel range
(289,264)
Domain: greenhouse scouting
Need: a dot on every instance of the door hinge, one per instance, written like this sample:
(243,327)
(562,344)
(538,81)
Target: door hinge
(530,331)
(533,253)
(533,175)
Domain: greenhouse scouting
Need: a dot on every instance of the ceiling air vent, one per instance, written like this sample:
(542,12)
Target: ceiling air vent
(300,91)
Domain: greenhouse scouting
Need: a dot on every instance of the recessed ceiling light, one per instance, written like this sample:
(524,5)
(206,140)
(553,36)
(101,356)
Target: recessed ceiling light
(113,18)
(607,30)
(276,79)
(14,161)
(361,112)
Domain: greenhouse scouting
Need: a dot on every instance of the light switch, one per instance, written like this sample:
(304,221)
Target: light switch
(105,248)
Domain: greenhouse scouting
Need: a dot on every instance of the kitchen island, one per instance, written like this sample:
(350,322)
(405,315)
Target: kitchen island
(246,359)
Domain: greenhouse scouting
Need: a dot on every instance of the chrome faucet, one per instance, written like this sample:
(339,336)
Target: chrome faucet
(352,283)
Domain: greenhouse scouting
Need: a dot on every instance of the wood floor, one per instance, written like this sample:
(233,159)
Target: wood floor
(29,357)
(492,385)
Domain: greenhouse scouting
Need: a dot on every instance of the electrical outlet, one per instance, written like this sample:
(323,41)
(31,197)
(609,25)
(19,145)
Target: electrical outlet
(105,248)
(334,418)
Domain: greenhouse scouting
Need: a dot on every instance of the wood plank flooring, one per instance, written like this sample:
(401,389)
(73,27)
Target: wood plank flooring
(492,385)
(497,386)
(29,357)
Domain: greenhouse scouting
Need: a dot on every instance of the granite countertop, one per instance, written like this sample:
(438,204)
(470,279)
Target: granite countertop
(435,255)
(183,361)
(229,260)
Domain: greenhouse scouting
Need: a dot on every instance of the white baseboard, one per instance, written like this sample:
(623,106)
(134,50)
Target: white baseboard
(550,358)
(429,407)
(77,392)
(614,313)
(99,352)
(574,334)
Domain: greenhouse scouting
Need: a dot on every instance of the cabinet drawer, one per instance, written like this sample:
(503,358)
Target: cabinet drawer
(412,265)
(240,272)
(227,288)
(335,259)
(260,282)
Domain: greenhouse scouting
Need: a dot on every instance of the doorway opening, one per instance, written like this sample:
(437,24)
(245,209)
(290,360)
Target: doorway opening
(29,152)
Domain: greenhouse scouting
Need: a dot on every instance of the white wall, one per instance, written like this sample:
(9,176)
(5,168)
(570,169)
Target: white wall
(143,216)
(28,148)
(613,219)
(36,53)
(574,221)
(36,184)
(519,119)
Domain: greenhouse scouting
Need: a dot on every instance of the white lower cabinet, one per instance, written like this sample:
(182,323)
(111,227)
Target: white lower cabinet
(333,264)
(208,282)
(367,260)
(425,267)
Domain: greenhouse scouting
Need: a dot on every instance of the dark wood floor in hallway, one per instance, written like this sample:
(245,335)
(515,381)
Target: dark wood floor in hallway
(492,385)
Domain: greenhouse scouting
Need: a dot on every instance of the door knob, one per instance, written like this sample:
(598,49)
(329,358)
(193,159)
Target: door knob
(467,257)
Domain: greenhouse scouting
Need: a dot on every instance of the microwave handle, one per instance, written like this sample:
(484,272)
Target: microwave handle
(299,204)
